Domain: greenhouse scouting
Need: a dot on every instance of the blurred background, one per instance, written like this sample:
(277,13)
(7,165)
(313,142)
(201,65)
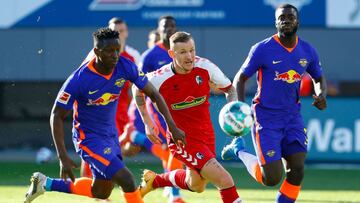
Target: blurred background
(44,41)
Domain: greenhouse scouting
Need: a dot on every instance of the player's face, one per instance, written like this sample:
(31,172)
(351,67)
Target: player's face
(286,21)
(153,38)
(166,28)
(183,54)
(107,52)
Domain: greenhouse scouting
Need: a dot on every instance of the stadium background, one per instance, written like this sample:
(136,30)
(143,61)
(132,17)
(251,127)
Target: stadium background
(43,41)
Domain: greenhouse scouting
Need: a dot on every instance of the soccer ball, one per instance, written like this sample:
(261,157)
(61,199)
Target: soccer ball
(235,118)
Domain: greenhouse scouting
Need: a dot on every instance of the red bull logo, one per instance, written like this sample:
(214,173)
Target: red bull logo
(105,99)
(290,77)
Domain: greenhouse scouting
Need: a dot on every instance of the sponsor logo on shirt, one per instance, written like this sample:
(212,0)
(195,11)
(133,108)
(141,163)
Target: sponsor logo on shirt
(105,99)
(120,82)
(64,98)
(188,103)
(290,76)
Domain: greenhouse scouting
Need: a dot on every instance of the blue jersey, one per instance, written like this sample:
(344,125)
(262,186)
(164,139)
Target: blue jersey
(93,97)
(279,72)
(154,58)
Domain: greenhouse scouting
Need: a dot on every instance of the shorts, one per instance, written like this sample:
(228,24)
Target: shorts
(194,155)
(103,155)
(281,138)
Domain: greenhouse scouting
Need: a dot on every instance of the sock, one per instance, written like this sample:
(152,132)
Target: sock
(58,185)
(288,193)
(230,195)
(81,186)
(174,178)
(158,151)
(251,163)
(133,197)
(175,192)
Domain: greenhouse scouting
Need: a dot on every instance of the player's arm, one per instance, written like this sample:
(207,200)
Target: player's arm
(152,131)
(57,118)
(320,90)
(239,83)
(177,134)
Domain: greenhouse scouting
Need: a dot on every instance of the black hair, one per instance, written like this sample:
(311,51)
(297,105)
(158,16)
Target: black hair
(104,34)
(289,6)
(180,37)
(116,20)
(167,17)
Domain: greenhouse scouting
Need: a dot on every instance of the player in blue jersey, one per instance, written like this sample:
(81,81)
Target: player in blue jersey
(280,62)
(92,92)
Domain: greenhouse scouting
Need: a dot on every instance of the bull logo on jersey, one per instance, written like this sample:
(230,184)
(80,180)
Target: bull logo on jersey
(188,103)
(290,76)
(199,80)
(120,82)
(303,62)
(105,99)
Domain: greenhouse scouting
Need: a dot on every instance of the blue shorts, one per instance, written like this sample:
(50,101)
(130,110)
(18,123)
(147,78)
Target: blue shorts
(277,138)
(102,154)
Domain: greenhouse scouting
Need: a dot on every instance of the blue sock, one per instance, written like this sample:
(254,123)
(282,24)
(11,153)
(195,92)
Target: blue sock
(138,138)
(57,185)
(175,192)
(283,199)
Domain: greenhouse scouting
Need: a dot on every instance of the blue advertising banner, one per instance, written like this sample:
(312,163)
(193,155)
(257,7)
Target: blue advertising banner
(55,13)
(333,134)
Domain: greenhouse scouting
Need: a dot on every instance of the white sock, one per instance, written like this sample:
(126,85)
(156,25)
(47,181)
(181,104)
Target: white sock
(250,161)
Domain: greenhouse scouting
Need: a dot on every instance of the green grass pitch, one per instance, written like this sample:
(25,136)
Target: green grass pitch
(320,186)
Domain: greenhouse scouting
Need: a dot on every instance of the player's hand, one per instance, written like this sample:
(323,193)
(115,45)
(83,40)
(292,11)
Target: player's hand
(178,136)
(152,132)
(319,102)
(66,166)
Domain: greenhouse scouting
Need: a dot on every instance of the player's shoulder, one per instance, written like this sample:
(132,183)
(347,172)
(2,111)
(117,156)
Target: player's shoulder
(305,45)
(149,52)
(204,63)
(162,73)
(132,51)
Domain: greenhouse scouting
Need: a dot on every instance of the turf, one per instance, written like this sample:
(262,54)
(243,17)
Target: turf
(320,185)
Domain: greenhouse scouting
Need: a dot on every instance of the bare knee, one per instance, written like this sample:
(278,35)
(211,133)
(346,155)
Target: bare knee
(225,182)
(199,188)
(101,194)
(125,179)
(295,175)
(272,180)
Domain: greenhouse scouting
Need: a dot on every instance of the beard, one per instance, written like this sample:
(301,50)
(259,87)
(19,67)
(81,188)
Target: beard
(289,33)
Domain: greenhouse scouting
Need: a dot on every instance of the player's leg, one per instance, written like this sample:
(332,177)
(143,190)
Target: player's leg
(266,168)
(41,183)
(85,170)
(215,173)
(294,152)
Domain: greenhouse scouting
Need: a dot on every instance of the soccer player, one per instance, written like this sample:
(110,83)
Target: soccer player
(119,25)
(278,132)
(153,38)
(92,92)
(153,59)
(185,86)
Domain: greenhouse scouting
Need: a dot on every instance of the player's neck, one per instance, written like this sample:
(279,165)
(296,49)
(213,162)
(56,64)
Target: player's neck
(287,41)
(101,68)
(178,69)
